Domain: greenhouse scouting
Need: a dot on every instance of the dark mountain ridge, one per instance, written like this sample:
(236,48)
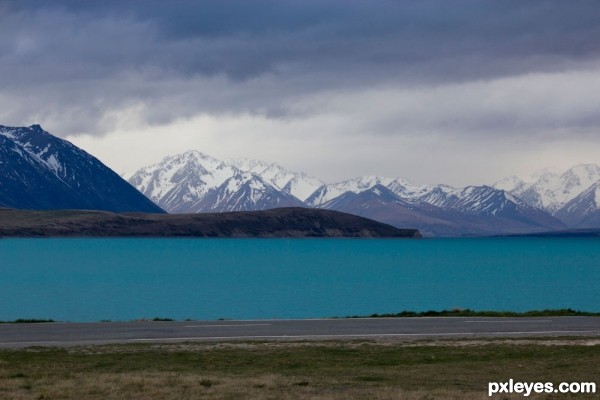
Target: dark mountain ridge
(41,171)
(280,222)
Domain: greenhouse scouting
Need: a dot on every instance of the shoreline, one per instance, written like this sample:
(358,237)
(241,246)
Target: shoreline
(274,223)
(457,313)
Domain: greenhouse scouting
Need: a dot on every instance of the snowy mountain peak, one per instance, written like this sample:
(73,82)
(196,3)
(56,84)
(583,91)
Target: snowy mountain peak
(511,184)
(551,191)
(417,193)
(584,210)
(190,157)
(366,182)
(180,180)
(328,192)
(582,175)
(298,184)
(545,173)
(253,181)
(245,192)
(179,183)
(589,168)
(381,192)
(247,164)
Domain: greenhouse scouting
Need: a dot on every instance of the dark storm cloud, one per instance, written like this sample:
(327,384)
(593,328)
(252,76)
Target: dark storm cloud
(246,38)
(77,63)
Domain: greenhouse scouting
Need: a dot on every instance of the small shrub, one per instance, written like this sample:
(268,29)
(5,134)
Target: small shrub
(207,383)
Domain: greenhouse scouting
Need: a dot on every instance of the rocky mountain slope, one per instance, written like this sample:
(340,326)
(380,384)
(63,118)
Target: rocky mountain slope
(41,171)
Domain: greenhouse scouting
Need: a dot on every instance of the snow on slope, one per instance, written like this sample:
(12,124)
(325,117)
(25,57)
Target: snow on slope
(181,179)
(552,191)
(584,210)
(179,183)
(298,184)
(44,148)
(329,192)
(470,200)
(42,171)
(245,192)
(512,184)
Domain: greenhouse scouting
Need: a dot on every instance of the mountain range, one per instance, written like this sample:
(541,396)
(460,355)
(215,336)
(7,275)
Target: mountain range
(42,172)
(195,182)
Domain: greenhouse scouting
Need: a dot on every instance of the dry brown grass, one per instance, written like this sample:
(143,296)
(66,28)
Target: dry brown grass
(294,370)
(172,386)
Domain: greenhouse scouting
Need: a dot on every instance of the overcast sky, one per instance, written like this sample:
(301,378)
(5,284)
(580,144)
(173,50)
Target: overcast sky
(460,92)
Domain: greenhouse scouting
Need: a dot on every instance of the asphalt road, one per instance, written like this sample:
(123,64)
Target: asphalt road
(68,334)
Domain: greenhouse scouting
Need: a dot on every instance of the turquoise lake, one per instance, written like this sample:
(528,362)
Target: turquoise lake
(126,279)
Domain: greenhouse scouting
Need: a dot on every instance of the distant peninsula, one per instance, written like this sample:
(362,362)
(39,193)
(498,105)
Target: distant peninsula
(560,234)
(292,222)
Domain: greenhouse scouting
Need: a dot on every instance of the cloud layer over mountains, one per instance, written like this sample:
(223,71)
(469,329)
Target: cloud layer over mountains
(465,82)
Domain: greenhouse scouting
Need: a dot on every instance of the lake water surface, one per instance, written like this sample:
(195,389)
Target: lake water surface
(126,279)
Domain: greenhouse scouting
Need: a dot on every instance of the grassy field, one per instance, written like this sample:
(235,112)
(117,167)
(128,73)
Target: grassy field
(383,369)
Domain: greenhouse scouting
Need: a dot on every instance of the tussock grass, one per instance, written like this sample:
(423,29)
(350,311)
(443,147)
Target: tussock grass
(294,370)
(27,321)
(563,312)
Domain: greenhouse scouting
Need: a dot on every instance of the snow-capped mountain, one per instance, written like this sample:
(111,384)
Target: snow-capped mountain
(552,191)
(195,182)
(325,193)
(584,210)
(471,199)
(298,184)
(41,171)
(475,200)
(245,192)
(374,196)
(416,193)
(517,185)
(178,182)
(512,184)
(442,210)
(381,204)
